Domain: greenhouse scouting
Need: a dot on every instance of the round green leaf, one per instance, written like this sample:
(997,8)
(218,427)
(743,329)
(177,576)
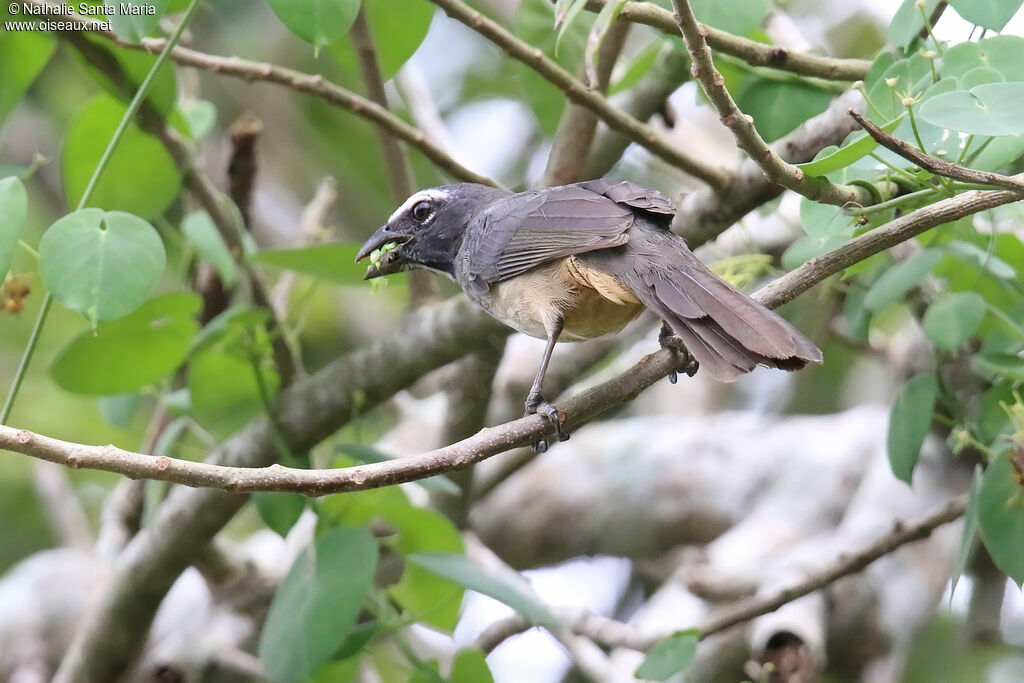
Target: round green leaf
(397,28)
(13,206)
(908,21)
(991,14)
(780,106)
(822,220)
(1000,509)
(1005,54)
(953,318)
(318,602)
(23,54)
(130,353)
(279,511)
(140,178)
(909,422)
(102,265)
(319,22)
(988,109)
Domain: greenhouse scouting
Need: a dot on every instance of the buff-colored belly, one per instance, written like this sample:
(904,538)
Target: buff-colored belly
(591,303)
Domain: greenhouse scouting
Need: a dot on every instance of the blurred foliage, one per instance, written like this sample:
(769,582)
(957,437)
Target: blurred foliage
(124,341)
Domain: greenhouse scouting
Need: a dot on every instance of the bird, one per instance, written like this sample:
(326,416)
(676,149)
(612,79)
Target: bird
(581,261)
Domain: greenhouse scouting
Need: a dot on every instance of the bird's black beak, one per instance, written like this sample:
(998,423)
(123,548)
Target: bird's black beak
(388,247)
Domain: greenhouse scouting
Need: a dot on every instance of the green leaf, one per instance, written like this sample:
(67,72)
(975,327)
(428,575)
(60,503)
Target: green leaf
(135,19)
(988,109)
(534,20)
(130,353)
(670,656)
(120,409)
(1006,365)
(908,21)
(279,511)
(740,16)
(102,265)
(224,391)
(780,106)
(1000,509)
(427,597)
(857,146)
(462,570)
(562,23)
(228,327)
(979,76)
(397,27)
(136,65)
(332,262)
(970,531)
(605,18)
(200,115)
(909,422)
(953,318)
(912,75)
(822,220)
(201,232)
(900,279)
(13,208)
(318,603)
(341,671)
(318,22)
(974,255)
(991,14)
(23,54)
(470,666)
(140,178)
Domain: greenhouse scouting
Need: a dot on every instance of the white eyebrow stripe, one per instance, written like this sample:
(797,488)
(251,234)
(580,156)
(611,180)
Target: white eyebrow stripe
(419,196)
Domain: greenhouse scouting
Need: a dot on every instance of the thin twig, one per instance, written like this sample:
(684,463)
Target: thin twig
(422,285)
(581,94)
(494,440)
(742,125)
(937,166)
(613,633)
(312,84)
(750,51)
(577,126)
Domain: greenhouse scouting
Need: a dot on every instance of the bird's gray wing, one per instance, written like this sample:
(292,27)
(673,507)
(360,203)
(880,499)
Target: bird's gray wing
(528,229)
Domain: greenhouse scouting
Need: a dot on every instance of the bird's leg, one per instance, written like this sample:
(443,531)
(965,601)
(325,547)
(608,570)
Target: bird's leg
(687,363)
(535,402)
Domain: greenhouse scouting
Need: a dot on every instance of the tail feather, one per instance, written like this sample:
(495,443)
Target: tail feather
(726,331)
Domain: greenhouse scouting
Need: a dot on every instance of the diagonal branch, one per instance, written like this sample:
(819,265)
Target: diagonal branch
(494,440)
(422,286)
(742,125)
(311,84)
(613,633)
(937,166)
(581,94)
(750,51)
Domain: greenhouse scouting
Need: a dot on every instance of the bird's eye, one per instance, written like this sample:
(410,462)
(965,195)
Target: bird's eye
(422,211)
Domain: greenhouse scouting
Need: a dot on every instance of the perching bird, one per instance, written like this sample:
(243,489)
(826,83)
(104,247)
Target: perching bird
(581,261)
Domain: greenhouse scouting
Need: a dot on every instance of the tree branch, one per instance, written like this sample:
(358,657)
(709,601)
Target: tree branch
(742,125)
(613,633)
(578,92)
(490,441)
(750,51)
(937,166)
(311,84)
(422,285)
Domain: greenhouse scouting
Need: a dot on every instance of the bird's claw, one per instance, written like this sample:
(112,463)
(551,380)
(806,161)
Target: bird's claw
(535,404)
(686,362)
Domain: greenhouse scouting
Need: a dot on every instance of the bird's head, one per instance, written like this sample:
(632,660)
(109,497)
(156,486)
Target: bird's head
(426,231)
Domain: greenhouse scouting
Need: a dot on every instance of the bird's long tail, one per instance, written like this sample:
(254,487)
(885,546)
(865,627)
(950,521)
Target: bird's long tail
(726,331)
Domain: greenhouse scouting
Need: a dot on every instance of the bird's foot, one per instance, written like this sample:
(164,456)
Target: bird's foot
(535,404)
(686,363)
